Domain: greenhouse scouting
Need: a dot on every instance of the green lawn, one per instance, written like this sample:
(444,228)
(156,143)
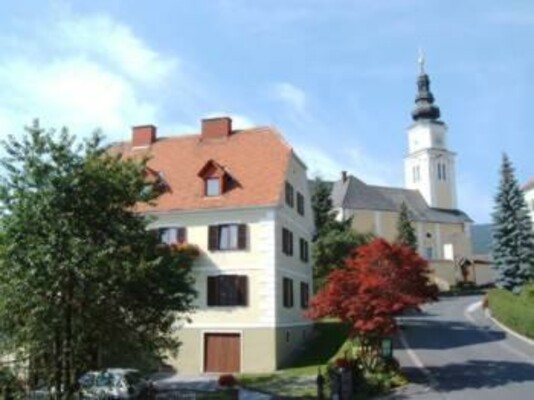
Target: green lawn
(298,378)
(514,311)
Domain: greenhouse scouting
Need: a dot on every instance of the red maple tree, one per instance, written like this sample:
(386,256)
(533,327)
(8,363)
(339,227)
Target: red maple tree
(379,281)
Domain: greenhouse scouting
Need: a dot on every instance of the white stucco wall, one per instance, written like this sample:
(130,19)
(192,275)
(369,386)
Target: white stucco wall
(427,148)
(529,198)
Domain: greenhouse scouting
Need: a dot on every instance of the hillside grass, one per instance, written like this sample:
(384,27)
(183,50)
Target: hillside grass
(514,311)
(298,378)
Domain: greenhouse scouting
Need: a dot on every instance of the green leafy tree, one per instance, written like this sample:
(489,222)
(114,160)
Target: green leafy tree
(332,247)
(513,239)
(323,213)
(405,230)
(82,280)
(334,240)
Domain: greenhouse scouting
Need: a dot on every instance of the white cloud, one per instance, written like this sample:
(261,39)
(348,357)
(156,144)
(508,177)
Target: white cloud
(238,121)
(116,43)
(319,163)
(83,73)
(355,161)
(291,95)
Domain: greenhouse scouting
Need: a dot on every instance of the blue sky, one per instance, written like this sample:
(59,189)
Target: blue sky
(336,77)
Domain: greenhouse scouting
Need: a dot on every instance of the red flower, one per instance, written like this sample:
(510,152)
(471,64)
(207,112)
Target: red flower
(342,363)
(227,380)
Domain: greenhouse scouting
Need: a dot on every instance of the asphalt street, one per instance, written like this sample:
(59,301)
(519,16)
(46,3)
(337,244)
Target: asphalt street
(454,353)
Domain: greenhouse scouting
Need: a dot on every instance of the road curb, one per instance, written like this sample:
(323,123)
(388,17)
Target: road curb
(476,305)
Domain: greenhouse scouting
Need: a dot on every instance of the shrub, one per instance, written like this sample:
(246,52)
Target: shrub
(10,387)
(514,311)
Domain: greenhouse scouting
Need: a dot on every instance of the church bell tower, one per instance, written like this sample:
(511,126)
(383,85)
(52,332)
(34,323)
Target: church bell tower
(429,165)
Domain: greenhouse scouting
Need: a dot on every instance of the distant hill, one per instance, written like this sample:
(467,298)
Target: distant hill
(481,238)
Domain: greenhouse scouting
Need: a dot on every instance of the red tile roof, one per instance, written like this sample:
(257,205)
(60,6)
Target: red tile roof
(257,159)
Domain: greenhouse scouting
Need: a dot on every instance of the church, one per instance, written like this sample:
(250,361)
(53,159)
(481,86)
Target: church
(443,230)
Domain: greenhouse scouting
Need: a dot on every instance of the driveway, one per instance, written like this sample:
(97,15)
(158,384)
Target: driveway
(455,353)
(169,386)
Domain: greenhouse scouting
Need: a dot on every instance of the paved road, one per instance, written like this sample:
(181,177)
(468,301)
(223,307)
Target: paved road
(465,356)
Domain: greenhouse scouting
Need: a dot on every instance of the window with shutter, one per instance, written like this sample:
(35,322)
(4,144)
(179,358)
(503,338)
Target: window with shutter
(228,237)
(300,203)
(242,237)
(227,290)
(288,293)
(242,290)
(287,242)
(172,235)
(181,235)
(289,195)
(212,291)
(304,251)
(304,295)
(213,237)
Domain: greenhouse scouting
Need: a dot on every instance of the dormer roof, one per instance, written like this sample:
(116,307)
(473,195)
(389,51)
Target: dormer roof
(256,158)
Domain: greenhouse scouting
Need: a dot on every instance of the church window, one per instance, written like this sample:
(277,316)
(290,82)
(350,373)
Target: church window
(416,174)
(441,172)
(429,253)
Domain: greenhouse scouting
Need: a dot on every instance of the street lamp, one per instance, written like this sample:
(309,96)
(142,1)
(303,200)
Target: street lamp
(386,348)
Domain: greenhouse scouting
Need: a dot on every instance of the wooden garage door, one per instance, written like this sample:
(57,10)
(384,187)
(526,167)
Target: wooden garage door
(222,352)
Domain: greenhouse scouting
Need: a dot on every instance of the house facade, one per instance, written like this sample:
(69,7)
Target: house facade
(443,231)
(242,198)
(528,191)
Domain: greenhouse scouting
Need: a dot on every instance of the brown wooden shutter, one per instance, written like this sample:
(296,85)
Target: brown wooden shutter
(181,235)
(213,237)
(242,290)
(212,291)
(304,295)
(290,293)
(242,237)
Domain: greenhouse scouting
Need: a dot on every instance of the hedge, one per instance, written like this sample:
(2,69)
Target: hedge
(514,311)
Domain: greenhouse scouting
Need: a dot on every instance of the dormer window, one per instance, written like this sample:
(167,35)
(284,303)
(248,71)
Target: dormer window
(217,179)
(213,187)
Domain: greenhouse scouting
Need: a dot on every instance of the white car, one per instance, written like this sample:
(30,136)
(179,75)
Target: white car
(114,383)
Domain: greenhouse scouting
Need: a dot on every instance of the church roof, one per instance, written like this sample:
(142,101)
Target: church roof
(354,194)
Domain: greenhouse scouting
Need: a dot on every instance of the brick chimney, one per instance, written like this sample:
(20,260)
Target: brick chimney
(216,128)
(143,136)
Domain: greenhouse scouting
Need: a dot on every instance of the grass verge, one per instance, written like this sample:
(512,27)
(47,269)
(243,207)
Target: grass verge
(298,379)
(514,311)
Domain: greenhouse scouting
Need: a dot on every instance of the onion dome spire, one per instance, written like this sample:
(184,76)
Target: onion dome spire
(424,102)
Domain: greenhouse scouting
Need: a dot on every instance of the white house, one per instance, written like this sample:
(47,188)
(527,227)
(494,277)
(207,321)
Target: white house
(528,190)
(242,197)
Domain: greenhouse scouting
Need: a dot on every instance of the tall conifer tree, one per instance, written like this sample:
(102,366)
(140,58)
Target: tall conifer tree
(513,239)
(405,231)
